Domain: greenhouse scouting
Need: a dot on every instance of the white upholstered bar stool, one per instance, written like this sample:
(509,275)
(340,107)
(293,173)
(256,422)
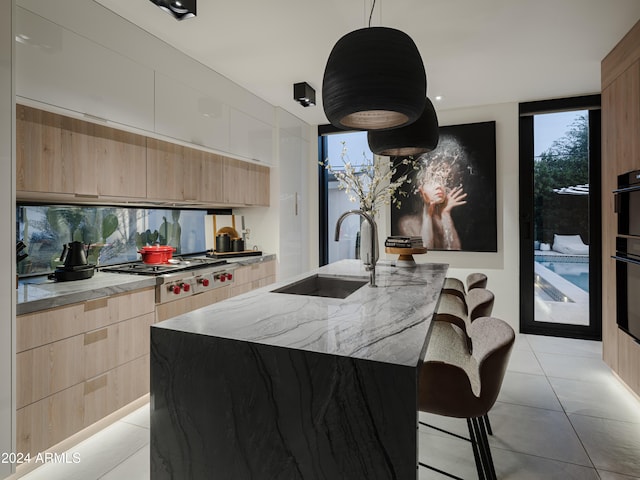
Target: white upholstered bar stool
(455,383)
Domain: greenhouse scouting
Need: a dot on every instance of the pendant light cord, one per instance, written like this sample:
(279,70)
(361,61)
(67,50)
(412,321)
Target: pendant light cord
(371,14)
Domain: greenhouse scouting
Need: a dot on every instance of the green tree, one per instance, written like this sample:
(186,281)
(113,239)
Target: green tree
(564,164)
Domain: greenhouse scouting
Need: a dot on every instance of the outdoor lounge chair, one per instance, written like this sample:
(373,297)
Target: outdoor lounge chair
(570,245)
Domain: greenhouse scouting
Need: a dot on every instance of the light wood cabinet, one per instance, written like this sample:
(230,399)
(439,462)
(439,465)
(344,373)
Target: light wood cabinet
(245,183)
(620,153)
(64,158)
(252,276)
(78,363)
(165,170)
(57,154)
(42,164)
(184,174)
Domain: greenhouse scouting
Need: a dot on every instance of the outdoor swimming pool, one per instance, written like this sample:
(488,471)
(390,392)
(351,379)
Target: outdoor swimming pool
(574,272)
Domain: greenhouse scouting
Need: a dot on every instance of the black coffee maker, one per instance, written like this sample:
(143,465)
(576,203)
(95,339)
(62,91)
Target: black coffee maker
(75,266)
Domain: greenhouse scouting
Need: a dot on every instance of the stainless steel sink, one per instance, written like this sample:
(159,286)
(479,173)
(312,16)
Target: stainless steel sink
(323,286)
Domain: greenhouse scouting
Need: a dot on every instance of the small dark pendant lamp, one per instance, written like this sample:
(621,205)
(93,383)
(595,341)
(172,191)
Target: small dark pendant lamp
(374,79)
(419,137)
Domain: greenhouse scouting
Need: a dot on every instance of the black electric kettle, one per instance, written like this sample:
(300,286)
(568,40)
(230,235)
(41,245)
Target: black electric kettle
(73,254)
(75,265)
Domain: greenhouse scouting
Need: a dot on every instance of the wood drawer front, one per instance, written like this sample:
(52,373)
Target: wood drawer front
(241,275)
(114,389)
(47,326)
(50,420)
(116,344)
(39,328)
(188,304)
(108,310)
(46,422)
(240,289)
(49,369)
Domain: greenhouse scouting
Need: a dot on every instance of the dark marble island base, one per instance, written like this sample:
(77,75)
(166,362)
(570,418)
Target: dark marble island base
(281,386)
(229,409)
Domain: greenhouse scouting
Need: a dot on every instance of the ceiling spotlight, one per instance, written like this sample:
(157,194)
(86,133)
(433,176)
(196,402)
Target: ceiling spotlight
(180,9)
(304,94)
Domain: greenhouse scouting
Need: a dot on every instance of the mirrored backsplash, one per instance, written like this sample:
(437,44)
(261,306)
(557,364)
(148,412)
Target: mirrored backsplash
(111,234)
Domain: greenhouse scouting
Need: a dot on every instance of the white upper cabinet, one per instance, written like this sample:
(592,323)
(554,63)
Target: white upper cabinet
(57,67)
(184,113)
(250,138)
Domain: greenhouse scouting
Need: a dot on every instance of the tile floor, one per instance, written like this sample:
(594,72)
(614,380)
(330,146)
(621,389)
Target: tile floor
(561,415)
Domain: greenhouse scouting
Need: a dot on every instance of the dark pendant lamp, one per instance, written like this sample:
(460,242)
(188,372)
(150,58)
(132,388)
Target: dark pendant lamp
(374,79)
(419,137)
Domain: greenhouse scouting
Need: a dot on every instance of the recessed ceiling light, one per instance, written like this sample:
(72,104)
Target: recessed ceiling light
(438,98)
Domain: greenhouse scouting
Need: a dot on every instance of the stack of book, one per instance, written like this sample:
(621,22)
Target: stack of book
(400,241)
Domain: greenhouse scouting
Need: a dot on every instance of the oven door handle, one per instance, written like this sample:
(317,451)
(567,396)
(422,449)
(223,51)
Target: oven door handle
(625,259)
(629,189)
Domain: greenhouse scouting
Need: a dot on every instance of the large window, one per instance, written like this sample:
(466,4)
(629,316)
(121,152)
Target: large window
(111,234)
(356,150)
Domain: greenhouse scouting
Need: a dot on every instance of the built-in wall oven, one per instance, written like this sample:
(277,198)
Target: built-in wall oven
(627,204)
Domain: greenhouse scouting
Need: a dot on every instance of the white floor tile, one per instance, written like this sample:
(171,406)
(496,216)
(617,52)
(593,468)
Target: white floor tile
(534,431)
(612,445)
(136,467)
(521,343)
(519,466)
(604,475)
(565,346)
(98,454)
(597,399)
(587,369)
(140,417)
(449,454)
(530,390)
(524,361)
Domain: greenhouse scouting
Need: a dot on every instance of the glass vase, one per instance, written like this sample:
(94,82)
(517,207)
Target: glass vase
(365,240)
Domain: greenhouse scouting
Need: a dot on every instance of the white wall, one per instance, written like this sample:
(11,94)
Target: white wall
(502,267)
(7,239)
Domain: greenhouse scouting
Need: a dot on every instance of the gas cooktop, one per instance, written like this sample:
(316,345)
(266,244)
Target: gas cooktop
(176,265)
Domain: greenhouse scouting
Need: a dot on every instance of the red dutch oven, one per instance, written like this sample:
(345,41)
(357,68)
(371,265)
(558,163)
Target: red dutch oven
(156,253)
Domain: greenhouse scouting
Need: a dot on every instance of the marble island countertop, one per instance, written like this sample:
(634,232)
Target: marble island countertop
(38,293)
(386,324)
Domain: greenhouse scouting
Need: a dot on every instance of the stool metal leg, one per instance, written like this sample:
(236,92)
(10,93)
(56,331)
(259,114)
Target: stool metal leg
(487,424)
(473,434)
(485,449)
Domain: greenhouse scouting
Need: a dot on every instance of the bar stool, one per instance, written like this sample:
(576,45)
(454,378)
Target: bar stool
(463,311)
(479,304)
(455,383)
(456,286)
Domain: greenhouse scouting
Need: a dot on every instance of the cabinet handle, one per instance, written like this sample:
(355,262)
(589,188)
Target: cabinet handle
(296,204)
(93,337)
(95,304)
(95,384)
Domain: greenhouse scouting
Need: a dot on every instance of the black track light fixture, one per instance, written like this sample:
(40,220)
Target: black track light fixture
(180,9)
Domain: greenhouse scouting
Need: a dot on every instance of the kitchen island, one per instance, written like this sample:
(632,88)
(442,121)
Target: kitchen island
(280,386)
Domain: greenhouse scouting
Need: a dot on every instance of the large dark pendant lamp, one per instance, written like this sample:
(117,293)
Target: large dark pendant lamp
(419,137)
(374,79)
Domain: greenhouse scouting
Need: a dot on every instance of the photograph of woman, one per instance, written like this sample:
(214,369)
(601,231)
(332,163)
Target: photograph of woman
(451,200)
